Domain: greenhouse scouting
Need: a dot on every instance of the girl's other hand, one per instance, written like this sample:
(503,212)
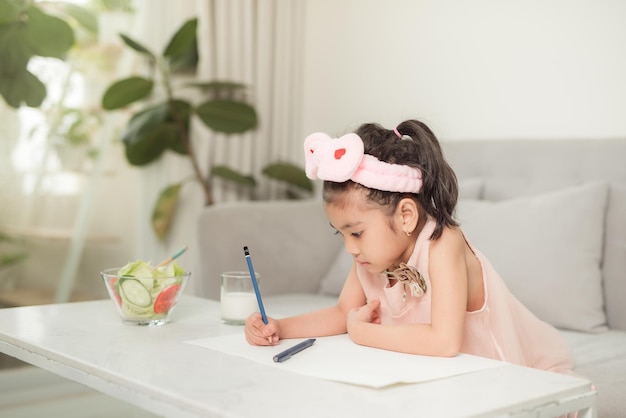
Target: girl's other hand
(367,313)
(258,333)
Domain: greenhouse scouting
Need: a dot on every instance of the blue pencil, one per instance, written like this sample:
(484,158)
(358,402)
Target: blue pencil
(255,284)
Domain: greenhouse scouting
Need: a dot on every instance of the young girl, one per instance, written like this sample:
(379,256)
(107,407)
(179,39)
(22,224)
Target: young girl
(416,284)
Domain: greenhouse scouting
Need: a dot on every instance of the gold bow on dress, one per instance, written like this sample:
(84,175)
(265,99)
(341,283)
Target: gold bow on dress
(408,275)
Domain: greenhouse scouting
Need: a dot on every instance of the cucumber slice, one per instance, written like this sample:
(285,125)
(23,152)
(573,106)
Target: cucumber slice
(135,292)
(131,311)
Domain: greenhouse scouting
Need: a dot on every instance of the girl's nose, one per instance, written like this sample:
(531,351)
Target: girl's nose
(351,248)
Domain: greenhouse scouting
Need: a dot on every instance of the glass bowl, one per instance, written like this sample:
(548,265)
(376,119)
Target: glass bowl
(144,300)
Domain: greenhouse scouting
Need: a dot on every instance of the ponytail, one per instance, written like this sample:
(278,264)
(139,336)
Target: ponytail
(440,191)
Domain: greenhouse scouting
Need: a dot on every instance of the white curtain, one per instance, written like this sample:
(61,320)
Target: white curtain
(258,43)
(254,42)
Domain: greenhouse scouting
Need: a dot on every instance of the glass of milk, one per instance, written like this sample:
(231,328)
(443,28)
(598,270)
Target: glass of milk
(237,297)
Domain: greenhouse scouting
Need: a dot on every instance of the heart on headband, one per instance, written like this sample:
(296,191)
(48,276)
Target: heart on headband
(334,159)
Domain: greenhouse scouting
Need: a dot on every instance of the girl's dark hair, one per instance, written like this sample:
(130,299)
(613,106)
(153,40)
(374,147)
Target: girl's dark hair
(417,148)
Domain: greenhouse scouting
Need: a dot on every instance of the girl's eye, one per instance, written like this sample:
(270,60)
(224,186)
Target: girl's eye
(352,234)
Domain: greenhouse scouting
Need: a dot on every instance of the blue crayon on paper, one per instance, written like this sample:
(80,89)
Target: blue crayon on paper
(255,284)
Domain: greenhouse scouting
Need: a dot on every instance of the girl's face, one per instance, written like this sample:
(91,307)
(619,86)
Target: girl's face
(367,232)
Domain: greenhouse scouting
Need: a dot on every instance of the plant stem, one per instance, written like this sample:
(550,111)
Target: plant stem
(184,137)
(184,134)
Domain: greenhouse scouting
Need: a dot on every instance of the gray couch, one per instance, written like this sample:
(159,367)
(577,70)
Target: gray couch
(550,215)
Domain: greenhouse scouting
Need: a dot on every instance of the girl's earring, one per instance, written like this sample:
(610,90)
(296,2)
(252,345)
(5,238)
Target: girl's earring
(408,233)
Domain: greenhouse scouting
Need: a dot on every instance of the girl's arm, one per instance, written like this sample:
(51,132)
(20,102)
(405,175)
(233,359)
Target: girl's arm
(327,321)
(444,335)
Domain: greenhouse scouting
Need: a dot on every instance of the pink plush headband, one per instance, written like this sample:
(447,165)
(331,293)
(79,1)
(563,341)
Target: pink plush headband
(341,159)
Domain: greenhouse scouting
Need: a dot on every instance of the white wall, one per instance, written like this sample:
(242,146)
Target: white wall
(469,69)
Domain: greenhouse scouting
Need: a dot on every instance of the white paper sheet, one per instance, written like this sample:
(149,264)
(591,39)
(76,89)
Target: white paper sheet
(338,358)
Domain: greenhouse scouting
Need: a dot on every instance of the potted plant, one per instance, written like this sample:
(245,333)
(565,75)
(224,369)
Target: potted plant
(29,29)
(162,125)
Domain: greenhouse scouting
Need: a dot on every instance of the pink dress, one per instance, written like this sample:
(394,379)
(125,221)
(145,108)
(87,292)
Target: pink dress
(502,329)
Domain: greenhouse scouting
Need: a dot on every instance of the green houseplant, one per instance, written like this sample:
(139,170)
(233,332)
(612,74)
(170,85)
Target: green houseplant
(58,30)
(31,29)
(162,125)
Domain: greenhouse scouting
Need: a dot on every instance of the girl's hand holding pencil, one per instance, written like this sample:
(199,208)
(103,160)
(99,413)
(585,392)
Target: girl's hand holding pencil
(259,333)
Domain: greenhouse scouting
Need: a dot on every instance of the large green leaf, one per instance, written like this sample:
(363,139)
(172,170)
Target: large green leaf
(229,174)
(155,129)
(183,40)
(15,48)
(147,135)
(179,114)
(290,174)
(164,210)
(146,119)
(148,147)
(227,116)
(126,91)
(21,88)
(10,10)
(47,35)
(137,46)
(30,32)
(217,85)
(185,63)
(182,50)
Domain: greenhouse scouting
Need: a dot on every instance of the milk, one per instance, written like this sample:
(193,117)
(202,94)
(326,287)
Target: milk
(237,306)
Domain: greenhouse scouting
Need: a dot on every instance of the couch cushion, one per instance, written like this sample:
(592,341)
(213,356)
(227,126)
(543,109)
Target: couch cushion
(333,280)
(290,241)
(601,358)
(515,167)
(548,249)
(614,267)
(471,188)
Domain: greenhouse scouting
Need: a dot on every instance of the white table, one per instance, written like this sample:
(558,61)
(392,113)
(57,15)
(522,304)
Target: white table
(153,368)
